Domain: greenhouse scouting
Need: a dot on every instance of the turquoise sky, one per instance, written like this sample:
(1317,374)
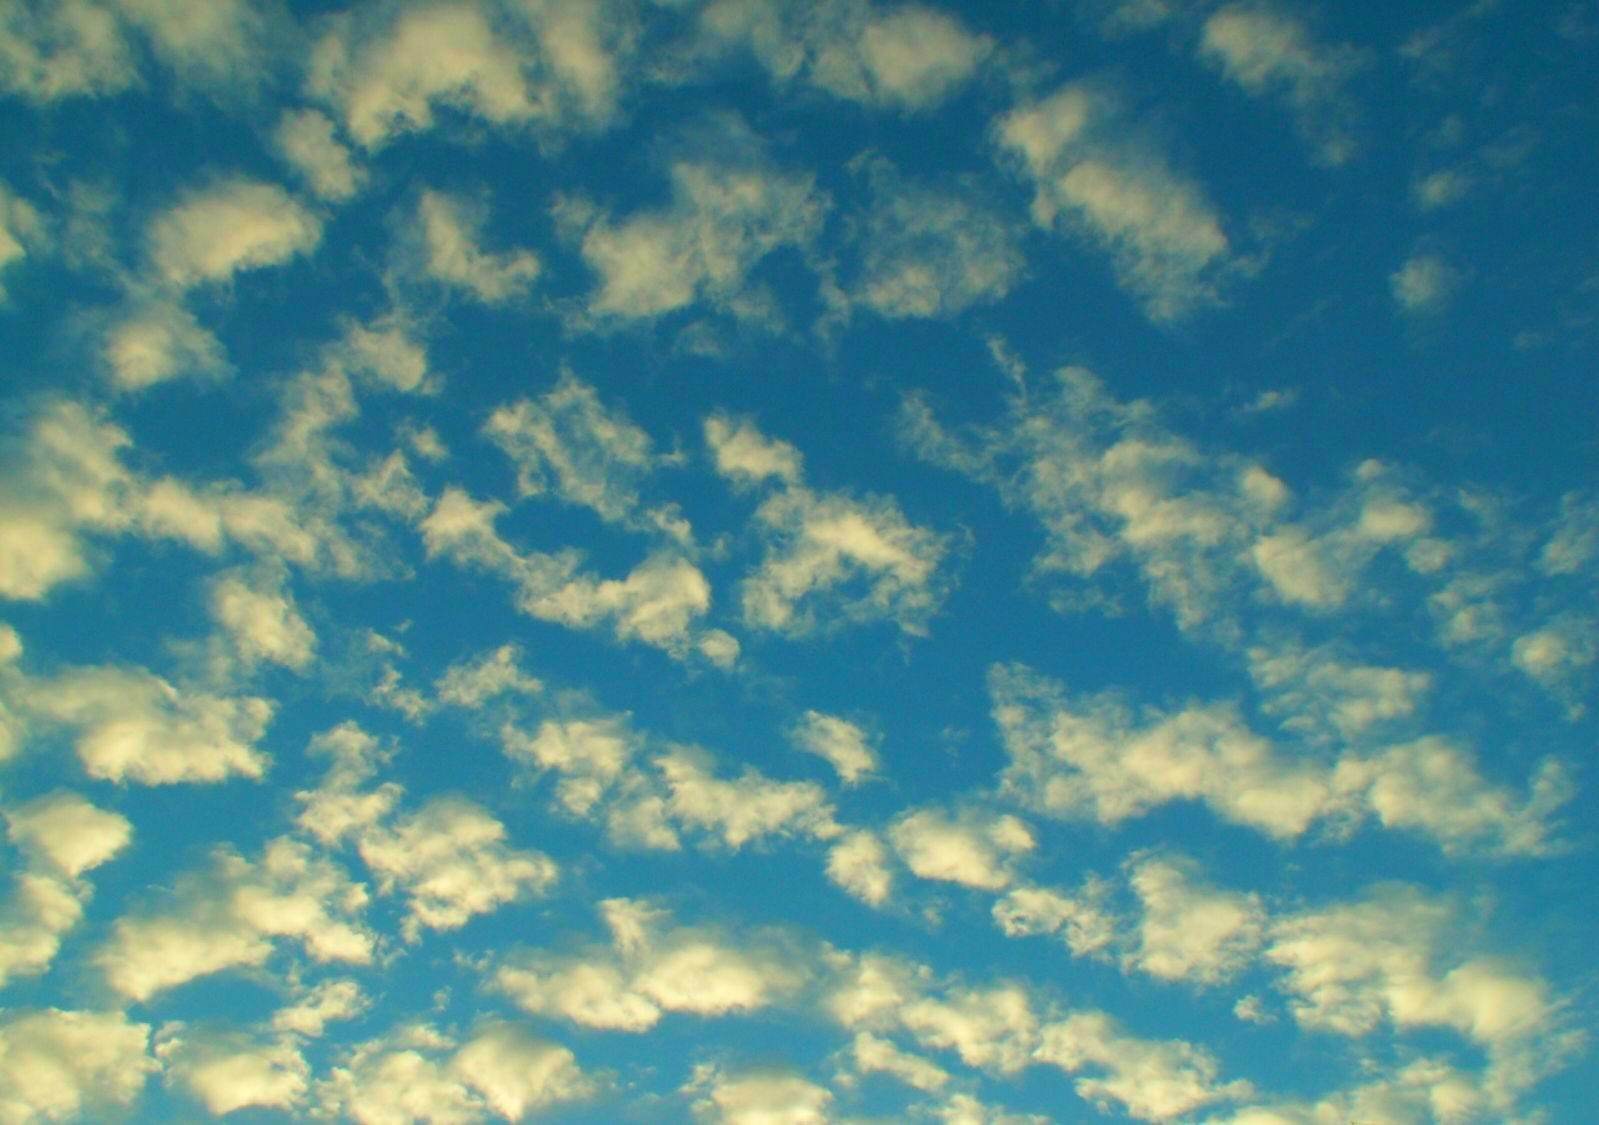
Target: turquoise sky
(770,562)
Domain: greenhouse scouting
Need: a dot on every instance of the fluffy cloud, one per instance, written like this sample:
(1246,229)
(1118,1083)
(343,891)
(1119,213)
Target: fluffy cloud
(260,619)
(21,228)
(1164,237)
(444,243)
(1424,283)
(749,807)
(227,227)
(1316,693)
(451,861)
(232,1071)
(651,967)
(61,836)
(304,138)
(1189,930)
(820,545)
(839,742)
(226,918)
(730,208)
(58,1064)
(55,51)
(908,57)
(491,675)
(568,444)
(1268,51)
(872,1054)
(927,253)
(1396,956)
(1093,758)
(159,341)
(1151,1080)
(415,1073)
(760,1097)
(543,64)
(973,849)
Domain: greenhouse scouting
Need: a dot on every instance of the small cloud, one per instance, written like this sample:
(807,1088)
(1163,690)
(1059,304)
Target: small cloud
(1424,284)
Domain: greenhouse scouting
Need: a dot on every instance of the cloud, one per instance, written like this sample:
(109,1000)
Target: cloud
(1083,919)
(57,1064)
(651,967)
(230,226)
(70,49)
(1397,955)
(443,242)
(758,1097)
(820,545)
(472,683)
(232,1071)
(1190,930)
(214,44)
(450,860)
(1316,693)
(841,743)
(304,138)
(569,444)
(1269,52)
(926,252)
(908,57)
(416,1073)
(730,207)
(746,456)
(872,1054)
(1092,758)
(160,341)
(61,836)
(226,917)
(744,809)
(973,849)
(994,1029)
(1151,1080)
(1164,237)
(260,619)
(551,65)
(329,1002)
(1424,284)
(21,228)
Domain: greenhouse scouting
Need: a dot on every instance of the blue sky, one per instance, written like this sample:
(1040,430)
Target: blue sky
(648,560)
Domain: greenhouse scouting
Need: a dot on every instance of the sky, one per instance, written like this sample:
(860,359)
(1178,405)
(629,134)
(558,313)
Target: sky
(770,563)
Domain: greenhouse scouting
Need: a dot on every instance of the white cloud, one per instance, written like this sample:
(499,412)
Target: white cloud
(1441,188)
(233,1071)
(61,835)
(451,861)
(21,228)
(67,832)
(759,1097)
(329,1002)
(260,618)
(746,456)
(1424,284)
(973,849)
(1151,1080)
(1313,692)
(227,916)
(839,742)
(230,226)
(58,1064)
(1082,919)
(491,675)
(1190,930)
(1092,758)
(415,1073)
(160,341)
(305,139)
(444,243)
(652,967)
(908,57)
(1268,51)
(872,1054)
(217,44)
(747,808)
(547,64)
(67,49)
(926,252)
(1164,237)
(730,208)
(569,444)
(994,1029)
(1397,956)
